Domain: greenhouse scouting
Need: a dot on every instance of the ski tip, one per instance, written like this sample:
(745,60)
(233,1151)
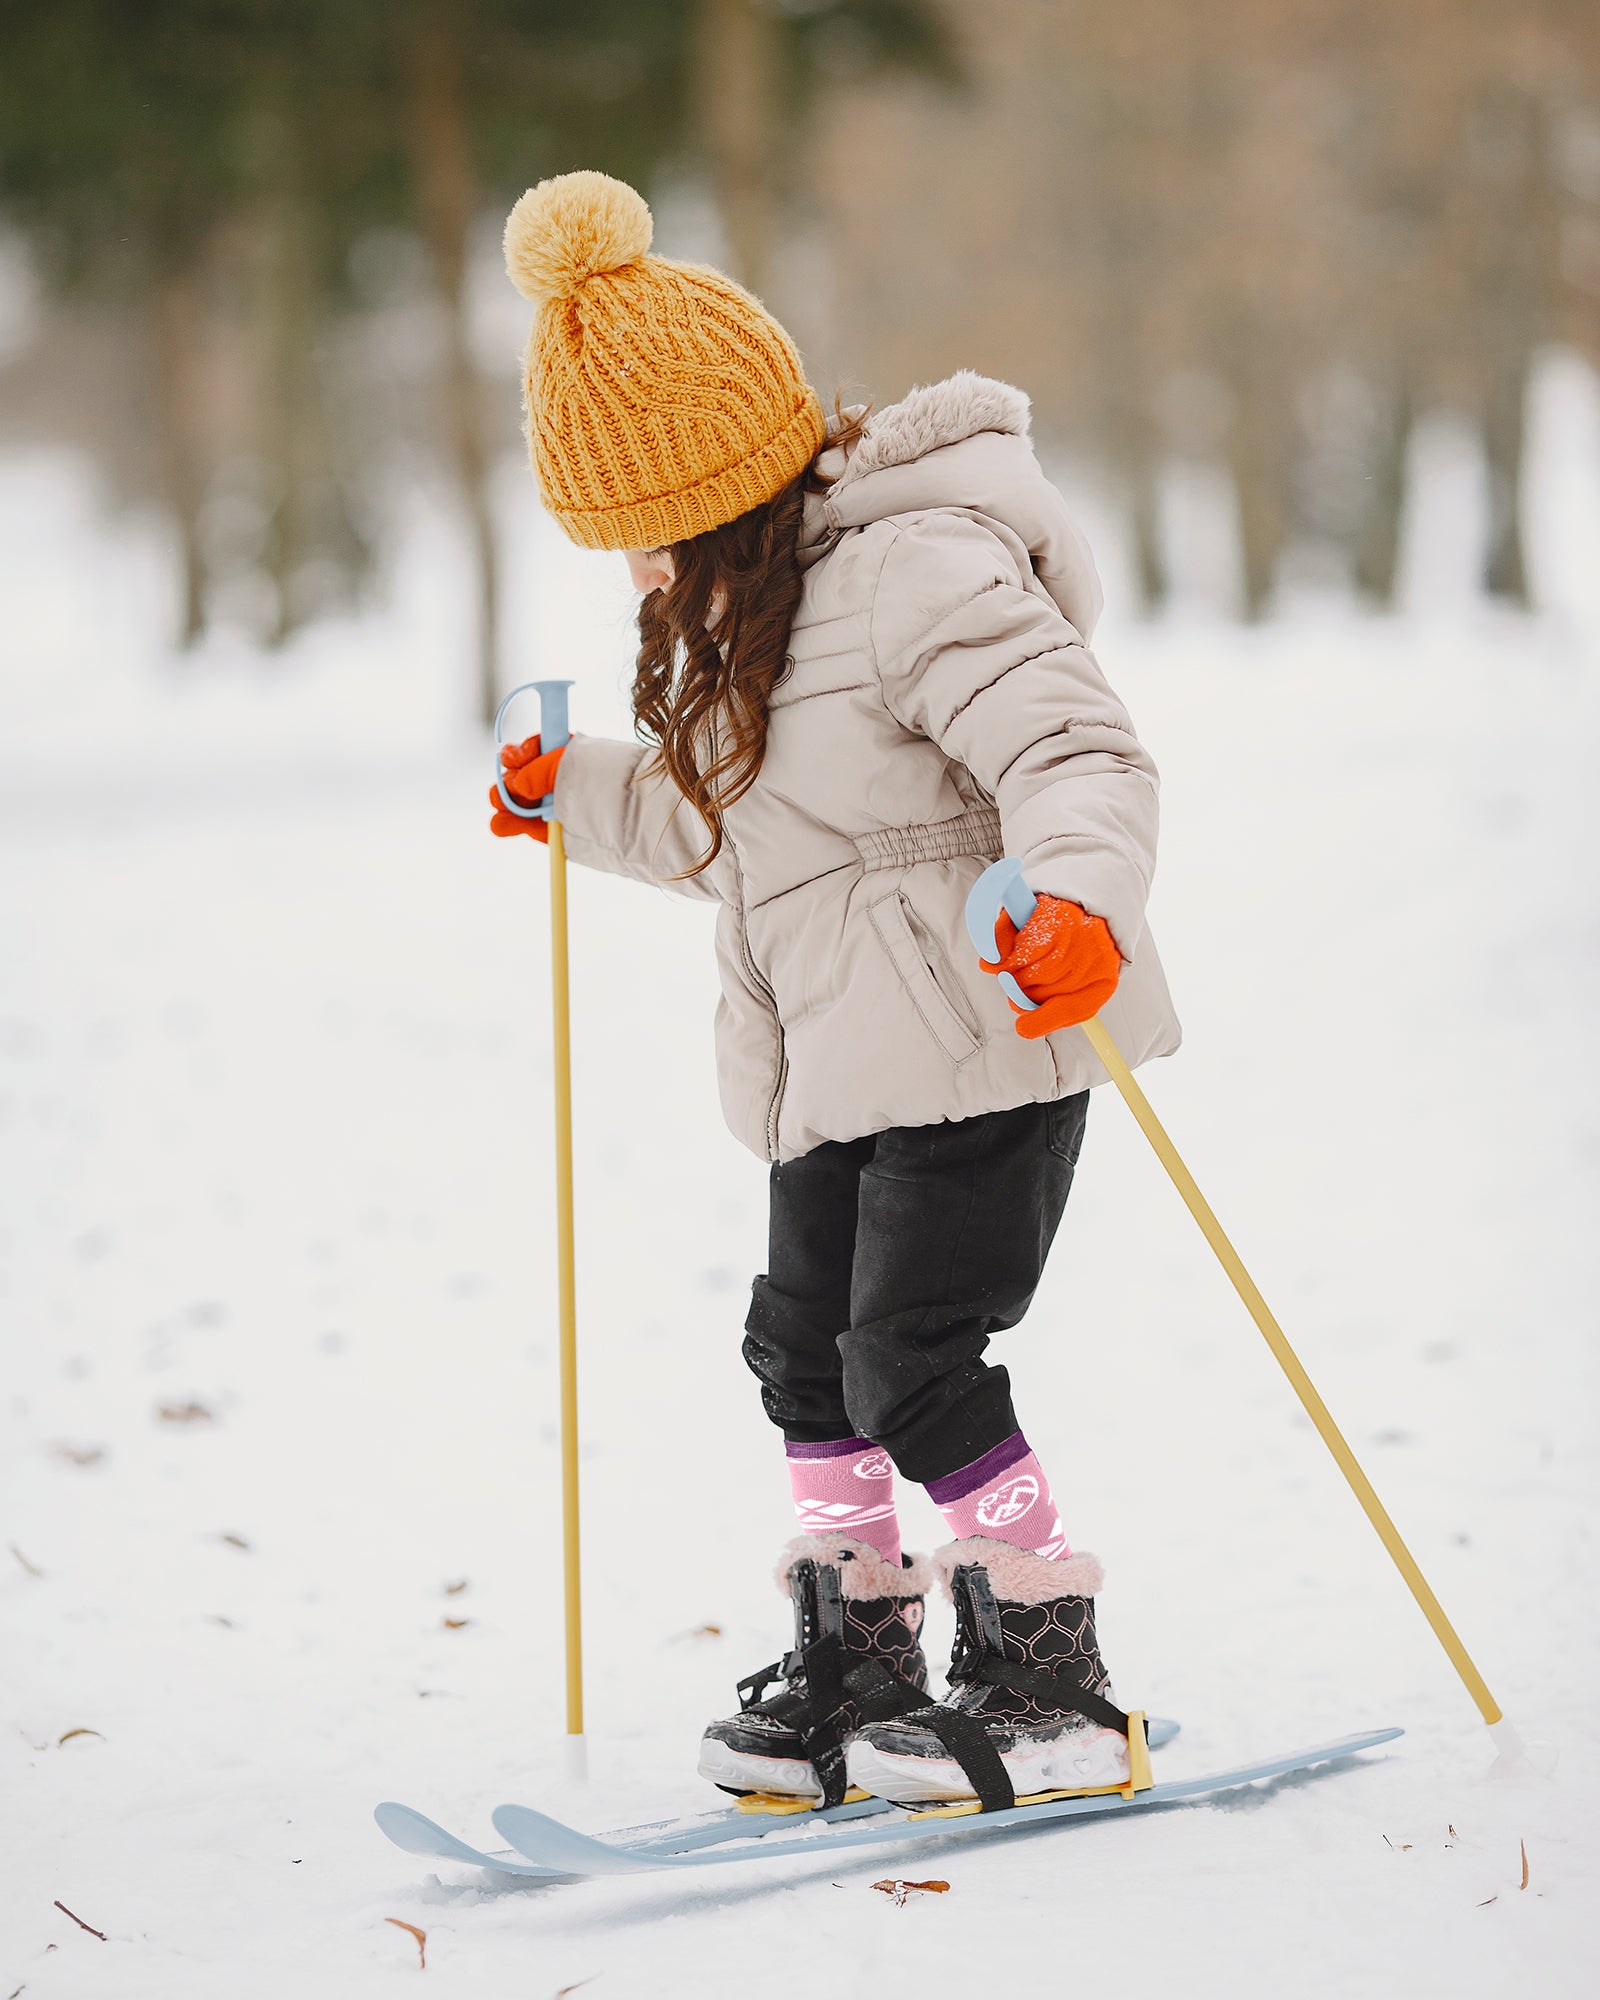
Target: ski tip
(525,1819)
(405,1826)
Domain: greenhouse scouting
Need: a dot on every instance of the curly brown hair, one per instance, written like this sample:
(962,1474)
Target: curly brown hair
(714,646)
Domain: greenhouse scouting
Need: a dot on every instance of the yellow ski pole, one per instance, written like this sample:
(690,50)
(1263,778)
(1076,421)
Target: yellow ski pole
(1007,890)
(553,733)
(1302,1384)
(567,1282)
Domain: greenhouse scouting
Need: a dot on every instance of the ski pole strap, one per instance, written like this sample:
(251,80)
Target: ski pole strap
(1001,886)
(554,732)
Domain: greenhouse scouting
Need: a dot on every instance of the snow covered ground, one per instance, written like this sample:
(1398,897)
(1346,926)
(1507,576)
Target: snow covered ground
(279,1428)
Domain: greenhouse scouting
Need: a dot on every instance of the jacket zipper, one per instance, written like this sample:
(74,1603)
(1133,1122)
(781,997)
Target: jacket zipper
(760,984)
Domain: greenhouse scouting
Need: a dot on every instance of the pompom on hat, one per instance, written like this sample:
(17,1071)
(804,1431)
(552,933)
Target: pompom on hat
(662,400)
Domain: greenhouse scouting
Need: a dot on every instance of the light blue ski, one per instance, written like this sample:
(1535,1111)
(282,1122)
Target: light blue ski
(562,1849)
(418,1834)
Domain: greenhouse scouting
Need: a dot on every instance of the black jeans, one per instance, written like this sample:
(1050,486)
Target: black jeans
(892,1260)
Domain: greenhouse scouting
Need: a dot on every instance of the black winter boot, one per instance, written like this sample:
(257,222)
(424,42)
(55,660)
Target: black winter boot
(1030,1707)
(857,1655)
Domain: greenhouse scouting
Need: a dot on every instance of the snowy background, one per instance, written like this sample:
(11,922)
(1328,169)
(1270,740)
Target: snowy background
(279,1431)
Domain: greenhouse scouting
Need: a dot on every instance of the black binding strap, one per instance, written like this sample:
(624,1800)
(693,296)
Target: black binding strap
(825,1728)
(965,1737)
(1063,1687)
(834,1677)
(880,1693)
(754,1686)
(834,1681)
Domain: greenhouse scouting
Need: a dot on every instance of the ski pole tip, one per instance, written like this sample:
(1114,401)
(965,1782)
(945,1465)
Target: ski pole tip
(577,1756)
(1515,1759)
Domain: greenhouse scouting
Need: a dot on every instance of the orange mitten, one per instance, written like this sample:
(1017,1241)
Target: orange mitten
(530,777)
(1062,958)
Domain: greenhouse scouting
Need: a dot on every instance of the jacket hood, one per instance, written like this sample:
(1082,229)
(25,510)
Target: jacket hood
(962,443)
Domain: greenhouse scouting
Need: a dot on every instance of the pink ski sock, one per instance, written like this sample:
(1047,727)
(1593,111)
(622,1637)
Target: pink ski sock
(1005,1496)
(846,1487)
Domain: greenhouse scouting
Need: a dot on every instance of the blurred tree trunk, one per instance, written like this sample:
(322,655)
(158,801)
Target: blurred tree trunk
(289,413)
(442,162)
(1504,570)
(736,59)
(1138,458)
(1515,243)
(1259,449)
(177,313)
(291,404)
(1375,556)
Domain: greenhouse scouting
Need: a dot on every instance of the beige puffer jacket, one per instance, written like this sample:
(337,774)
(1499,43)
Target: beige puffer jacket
(943,708)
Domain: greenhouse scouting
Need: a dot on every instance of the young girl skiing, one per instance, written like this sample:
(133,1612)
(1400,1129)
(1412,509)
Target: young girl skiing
(863,675)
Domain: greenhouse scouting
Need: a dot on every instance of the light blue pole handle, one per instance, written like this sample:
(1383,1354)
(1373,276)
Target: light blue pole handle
(554,732)
(1000,887)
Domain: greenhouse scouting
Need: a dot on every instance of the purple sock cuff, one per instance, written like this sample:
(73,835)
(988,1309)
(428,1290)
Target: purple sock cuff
(833,1448)
(957,1485)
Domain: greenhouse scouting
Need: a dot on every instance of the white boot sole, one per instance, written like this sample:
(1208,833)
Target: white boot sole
(1079,1762)
(780,1777)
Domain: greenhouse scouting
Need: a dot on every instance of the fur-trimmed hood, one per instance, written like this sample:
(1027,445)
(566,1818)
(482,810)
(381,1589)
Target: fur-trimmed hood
(962,443)
(937,414)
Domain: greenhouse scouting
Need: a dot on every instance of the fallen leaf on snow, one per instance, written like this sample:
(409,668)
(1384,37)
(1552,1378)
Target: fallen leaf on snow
(455,1624)
(1487,1901)
(455,1589)
(32,1569)
(77,1732)
(79,1454)
(1524,1882)
(898,1891)
(563,1991)
(421,1937)
(183,1413)
(234,1541)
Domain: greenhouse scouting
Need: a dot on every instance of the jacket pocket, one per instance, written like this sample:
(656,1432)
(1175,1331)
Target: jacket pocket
(919,959)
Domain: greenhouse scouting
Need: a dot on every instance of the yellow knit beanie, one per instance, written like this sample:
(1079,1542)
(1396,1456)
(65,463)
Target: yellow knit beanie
(661,399)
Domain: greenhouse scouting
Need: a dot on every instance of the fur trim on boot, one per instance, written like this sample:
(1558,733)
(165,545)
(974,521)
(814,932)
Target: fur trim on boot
(863,1573)
(1018,1576)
